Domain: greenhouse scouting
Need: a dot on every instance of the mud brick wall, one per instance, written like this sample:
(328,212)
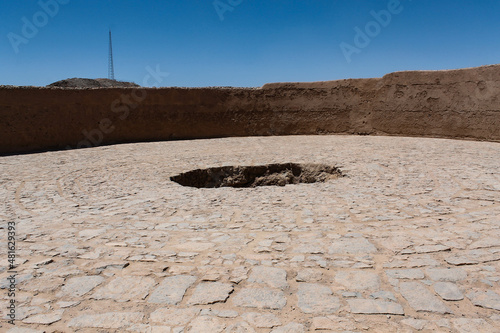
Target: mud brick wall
(461,104)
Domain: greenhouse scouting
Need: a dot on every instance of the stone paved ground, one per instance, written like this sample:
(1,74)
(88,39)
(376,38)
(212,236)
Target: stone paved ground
(409,241)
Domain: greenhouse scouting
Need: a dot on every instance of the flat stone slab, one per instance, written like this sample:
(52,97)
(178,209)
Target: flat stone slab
(448,291)
(45,319)
(271,276)
(172,289)
(459,260)
(431,248)
(450,274)
(371,306)
(486,243)
(79,286)
(309,275)
(358,280)
(421,299)
(261,298)
(210,292)
(472,325)
(486,299)
(124,289)
(317,299)
(384,295)
(351,246)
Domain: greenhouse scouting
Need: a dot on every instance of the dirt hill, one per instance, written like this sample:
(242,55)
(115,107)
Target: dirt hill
(92,83)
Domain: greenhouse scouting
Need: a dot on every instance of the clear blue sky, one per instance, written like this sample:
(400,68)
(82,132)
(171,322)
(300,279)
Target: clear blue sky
(258,41)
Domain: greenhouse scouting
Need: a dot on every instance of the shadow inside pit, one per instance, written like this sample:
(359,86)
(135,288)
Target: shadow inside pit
(261,175)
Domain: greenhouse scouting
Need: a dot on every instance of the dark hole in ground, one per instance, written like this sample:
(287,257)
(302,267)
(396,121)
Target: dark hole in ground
(261,175)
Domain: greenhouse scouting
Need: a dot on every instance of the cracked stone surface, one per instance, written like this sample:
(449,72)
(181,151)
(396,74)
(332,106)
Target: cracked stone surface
(408,241)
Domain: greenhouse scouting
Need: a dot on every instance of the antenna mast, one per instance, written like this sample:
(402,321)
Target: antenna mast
(111,68)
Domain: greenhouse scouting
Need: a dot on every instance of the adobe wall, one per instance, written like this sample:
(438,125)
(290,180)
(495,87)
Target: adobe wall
(450,104)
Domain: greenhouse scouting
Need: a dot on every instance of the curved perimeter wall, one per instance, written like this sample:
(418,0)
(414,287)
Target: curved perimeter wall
(461,103)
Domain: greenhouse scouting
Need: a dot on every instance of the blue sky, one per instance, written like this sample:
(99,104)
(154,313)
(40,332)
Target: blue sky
(243,42)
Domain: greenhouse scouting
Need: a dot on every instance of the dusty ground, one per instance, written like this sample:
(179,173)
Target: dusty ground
(409,241)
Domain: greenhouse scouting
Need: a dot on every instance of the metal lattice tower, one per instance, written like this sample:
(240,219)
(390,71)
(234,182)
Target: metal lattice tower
(111,68)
